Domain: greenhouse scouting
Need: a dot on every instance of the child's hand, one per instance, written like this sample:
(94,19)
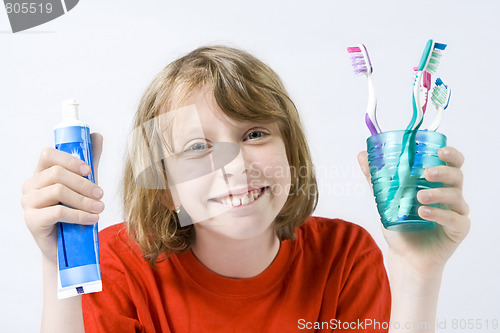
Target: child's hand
(427,251)
(58,179)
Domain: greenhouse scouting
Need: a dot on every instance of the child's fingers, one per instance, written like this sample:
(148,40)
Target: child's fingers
(447,195)
(59,175)
(37,219)
(448,175)
(456,226)
(58,193)
(363,163)
(451,156)
(50,157)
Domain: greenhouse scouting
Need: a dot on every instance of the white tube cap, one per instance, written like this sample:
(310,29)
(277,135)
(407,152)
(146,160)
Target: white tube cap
(70,110)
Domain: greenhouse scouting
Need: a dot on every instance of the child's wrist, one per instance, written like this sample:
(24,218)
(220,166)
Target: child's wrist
(414,294)
(400,268)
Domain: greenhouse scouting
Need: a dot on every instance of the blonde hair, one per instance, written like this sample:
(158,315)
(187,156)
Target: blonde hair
(245,89)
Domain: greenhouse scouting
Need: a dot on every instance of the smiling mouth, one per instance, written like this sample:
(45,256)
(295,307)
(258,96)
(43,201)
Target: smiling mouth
(241,199)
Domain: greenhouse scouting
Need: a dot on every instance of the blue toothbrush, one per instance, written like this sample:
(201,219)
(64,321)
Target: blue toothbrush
(441,99)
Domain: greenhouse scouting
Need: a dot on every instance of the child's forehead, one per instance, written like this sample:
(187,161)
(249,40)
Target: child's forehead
(199,104)
(199,114)
(201,118)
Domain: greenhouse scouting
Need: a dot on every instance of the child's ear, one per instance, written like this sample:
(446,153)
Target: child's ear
(169,198)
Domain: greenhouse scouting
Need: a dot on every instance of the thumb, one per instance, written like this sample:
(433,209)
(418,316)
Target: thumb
(96,139)
(363,163)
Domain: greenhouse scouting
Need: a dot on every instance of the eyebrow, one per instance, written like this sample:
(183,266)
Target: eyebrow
(184,136)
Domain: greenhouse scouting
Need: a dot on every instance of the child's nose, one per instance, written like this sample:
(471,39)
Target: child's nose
(236,167)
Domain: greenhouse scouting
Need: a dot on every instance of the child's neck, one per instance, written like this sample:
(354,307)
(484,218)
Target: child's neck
(236,258)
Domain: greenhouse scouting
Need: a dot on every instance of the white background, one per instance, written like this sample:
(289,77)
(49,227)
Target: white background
(105,53)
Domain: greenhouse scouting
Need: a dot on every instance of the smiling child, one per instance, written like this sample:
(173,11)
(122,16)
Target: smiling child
(218,193)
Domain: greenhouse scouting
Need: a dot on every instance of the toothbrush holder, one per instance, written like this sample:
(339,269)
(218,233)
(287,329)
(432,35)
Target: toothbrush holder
(396,198)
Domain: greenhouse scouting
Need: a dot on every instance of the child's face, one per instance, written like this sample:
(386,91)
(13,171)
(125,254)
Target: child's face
(231,177)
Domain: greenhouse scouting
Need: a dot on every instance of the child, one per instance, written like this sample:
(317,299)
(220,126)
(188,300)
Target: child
(219,190)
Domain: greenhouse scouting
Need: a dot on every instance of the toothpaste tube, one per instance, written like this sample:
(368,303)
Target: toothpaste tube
(77,245)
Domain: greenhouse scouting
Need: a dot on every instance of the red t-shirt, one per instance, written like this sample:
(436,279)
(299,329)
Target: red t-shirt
(332,275)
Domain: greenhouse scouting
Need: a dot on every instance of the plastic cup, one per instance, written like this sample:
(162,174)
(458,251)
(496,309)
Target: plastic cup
(395,183)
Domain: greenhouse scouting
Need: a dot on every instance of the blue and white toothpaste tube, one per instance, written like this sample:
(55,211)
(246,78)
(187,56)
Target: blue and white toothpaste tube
(77,245)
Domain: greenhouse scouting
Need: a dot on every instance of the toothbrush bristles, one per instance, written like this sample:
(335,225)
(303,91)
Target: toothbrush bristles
(440,94)
(440,46)
(360,59)
(436,54)
(353,49)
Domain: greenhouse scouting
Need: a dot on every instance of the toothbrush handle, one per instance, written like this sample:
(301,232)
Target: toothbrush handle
(435,123)
(371,108)
(370,125)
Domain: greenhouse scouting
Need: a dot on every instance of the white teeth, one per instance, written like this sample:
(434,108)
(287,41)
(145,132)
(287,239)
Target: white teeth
(236,202)
(245,200)
(241,200)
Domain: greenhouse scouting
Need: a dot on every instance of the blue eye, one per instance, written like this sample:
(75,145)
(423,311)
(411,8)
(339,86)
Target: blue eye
(199,146)
(254,135)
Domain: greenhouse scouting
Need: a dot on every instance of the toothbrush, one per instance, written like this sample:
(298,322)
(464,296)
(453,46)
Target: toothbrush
(441,99)
(406,201)
(428,62)
(362,65)
(424,89)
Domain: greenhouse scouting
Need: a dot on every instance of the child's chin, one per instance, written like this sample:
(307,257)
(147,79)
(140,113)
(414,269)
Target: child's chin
(240,232)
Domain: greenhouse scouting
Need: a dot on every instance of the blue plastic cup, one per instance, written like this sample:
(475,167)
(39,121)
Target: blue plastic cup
(395,183)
